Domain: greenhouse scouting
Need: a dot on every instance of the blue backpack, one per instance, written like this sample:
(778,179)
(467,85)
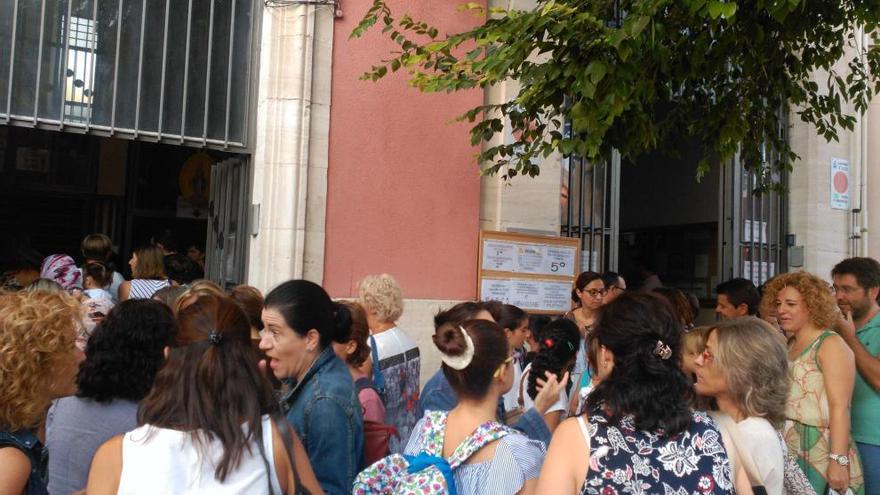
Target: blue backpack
(428,472)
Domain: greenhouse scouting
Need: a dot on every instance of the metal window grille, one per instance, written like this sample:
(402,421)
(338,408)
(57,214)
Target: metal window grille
(591,205)
(159,70)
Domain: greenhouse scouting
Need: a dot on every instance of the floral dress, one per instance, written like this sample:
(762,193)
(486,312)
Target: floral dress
(624,460)
(807,431)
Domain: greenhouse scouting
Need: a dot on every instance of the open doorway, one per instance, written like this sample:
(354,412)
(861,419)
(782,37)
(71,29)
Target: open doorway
(57,187)
(669,225)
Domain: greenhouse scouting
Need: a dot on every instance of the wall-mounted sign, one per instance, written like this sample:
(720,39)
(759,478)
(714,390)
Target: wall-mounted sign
(533,272)
(839,184)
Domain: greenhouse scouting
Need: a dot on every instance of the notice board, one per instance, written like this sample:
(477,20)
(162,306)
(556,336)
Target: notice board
(533,272)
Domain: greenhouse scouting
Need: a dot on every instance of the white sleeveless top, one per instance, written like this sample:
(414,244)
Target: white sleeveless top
(161,461)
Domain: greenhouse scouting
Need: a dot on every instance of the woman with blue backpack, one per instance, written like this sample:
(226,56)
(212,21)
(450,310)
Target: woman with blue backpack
(466,450)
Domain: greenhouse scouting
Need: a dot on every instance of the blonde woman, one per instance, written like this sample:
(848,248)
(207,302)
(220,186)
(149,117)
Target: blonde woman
(38,363)
(397,363)
(744,367)
(823,371)
(147,273)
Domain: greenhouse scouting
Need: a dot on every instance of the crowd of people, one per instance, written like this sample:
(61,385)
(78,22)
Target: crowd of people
(162,384)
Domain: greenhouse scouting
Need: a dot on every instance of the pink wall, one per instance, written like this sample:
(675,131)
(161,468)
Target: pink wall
(403,185)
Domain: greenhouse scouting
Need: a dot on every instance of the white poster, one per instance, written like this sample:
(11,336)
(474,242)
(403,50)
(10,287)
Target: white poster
(519,257)
(755,231)
(758,272)
(542,295)
(839,184)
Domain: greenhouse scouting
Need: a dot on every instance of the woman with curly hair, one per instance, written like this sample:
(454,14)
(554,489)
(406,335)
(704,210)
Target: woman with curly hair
(38,361)
(638,434)
(122,358)
(744,367)
(823,376)
(557,350)
(398,361)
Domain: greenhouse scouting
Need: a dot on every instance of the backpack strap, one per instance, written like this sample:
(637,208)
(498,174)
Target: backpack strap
(378,377)
(361,384)
(485,434)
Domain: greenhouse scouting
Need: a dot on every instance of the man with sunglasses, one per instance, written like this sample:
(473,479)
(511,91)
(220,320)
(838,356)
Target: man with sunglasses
(856,288)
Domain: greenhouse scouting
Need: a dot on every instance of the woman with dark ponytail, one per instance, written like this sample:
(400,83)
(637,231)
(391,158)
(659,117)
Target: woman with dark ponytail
(207,424)
(300,324)
(557,349)
(638,432)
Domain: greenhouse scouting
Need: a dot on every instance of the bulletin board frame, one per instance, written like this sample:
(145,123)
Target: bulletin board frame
(533,272)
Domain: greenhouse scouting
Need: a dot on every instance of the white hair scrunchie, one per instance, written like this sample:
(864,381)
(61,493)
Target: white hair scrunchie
(464,360)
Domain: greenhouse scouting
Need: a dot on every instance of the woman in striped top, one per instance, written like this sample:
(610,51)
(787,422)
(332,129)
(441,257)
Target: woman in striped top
(147,272)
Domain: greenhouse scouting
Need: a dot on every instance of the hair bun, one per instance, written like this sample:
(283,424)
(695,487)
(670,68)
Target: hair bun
(449,340)
(341,322)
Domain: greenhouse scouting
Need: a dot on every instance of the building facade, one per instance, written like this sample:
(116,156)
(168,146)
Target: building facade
(244,125)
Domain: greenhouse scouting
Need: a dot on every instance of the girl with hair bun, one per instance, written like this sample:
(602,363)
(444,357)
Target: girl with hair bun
(557,349)
(300,323)
(509,464)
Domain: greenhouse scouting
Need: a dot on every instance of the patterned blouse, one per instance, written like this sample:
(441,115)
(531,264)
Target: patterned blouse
(624,460)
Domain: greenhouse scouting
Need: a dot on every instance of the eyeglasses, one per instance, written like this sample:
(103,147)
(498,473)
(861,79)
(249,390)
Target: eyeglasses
(844,289)
(501,367)
(594,293)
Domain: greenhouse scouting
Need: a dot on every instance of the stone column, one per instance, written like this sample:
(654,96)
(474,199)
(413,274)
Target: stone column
(290,156)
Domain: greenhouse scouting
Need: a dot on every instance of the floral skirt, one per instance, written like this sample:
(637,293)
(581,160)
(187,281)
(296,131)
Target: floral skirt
(811,446)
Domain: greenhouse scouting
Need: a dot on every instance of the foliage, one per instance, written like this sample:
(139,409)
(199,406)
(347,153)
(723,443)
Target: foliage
(645,75)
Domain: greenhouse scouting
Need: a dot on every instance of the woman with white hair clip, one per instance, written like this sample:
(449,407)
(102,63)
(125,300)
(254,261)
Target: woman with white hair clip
(395,356)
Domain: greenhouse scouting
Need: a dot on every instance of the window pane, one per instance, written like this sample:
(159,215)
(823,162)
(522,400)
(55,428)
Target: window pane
(151,78)
(102,103)
(219,70)
(6,8)
(127,72)
(26,47)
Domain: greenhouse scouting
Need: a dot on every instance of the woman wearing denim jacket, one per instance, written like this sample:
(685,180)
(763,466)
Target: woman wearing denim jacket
(300,322)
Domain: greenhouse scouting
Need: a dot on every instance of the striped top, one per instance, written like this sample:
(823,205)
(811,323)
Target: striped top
(517,460)
(144,288)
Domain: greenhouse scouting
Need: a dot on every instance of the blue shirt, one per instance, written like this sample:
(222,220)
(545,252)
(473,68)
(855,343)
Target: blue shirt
(437,395)
(326,414)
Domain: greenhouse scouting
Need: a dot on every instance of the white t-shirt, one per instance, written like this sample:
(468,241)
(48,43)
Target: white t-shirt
(762,442)
(511,397)
(160,460)
(528,403)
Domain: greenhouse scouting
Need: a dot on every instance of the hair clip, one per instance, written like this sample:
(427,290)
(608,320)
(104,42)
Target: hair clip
(662,350)
(463,360)
(214,337)
(548,343)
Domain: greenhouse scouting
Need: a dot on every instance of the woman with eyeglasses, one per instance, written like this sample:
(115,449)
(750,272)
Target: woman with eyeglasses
(587,295)
(744,368)
(822,368)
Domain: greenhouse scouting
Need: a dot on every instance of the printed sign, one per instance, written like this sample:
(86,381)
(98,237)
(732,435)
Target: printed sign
(839,184)
(533,272)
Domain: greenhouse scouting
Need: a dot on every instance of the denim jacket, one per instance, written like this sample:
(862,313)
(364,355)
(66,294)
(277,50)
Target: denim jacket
(27,443)
(439,396)
(326,414)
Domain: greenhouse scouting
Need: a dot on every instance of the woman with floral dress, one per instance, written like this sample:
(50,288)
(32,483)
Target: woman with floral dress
(822,368)
(637,434)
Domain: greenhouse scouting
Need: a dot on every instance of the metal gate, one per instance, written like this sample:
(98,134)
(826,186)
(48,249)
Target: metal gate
(753,225)
(228,226)
(175,71)
(591,208)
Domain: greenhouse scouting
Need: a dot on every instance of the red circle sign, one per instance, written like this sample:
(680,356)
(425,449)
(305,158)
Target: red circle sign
(841,184)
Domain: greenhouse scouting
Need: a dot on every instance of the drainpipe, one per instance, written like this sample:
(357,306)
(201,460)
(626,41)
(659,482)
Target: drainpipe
(863,163)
